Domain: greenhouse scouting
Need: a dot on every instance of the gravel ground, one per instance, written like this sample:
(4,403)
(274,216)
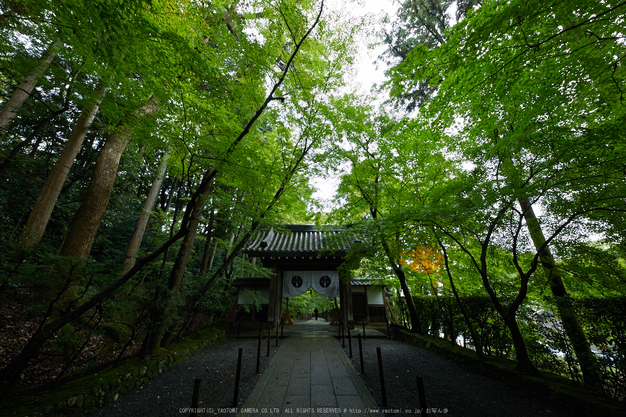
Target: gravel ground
(171,393)
(450,390)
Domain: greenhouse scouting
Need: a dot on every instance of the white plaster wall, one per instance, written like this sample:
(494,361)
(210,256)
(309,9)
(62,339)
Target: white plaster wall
(375,296)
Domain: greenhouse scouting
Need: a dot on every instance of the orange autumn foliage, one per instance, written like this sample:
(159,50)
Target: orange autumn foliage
(422,259)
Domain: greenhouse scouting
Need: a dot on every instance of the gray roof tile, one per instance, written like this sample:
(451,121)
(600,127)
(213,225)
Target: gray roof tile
(251,282)
(300,239)
(367,281)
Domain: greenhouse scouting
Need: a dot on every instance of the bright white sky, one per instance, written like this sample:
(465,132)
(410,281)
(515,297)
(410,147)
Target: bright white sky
(367,73)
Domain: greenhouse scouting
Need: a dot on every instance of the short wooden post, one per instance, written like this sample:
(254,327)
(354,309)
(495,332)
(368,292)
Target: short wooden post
(361,355)
(195,397)
(381,373)
(237,377)
(350,341)
(258,355)
(421,394)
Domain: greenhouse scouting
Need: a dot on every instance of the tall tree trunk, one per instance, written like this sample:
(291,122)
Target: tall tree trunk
(164,305)
(206,254)
(416,324)
(26,87)
(477,342)
(40,215)
(84,226)
(142,223)
(11,372)
(32,134)
(524,364)
(569,318)
(191,301)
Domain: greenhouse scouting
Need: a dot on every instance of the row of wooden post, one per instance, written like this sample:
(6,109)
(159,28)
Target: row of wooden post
(420,382)
(196,388)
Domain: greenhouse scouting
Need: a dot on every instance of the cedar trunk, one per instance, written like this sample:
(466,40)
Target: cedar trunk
(23,91)
(11,372)
(40,215)
(205,264)
(84,226)
(163,307)
(142,223)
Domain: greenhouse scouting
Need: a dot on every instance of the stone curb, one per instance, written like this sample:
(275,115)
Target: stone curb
(364,393)
(103,387)
(541,389)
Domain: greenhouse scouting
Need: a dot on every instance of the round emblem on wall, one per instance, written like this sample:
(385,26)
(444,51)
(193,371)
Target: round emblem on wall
(296,281)
(325,281)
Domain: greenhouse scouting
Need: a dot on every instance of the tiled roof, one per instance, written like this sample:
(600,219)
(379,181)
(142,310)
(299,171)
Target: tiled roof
(300,240)
(251,282)
(366,281)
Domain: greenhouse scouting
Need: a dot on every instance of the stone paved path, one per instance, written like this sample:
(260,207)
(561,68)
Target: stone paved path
(310,376)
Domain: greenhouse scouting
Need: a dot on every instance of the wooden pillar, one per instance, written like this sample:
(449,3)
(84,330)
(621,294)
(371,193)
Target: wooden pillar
(345,296)
(342,303)
(279,298)
(275,302)
(367,304)
(271,307)
(349,310)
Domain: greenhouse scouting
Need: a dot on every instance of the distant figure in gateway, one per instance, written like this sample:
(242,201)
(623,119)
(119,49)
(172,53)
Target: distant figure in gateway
(315,311)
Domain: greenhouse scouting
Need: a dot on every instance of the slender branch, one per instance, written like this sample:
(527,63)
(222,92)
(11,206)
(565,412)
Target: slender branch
(529,47)
(277,85)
